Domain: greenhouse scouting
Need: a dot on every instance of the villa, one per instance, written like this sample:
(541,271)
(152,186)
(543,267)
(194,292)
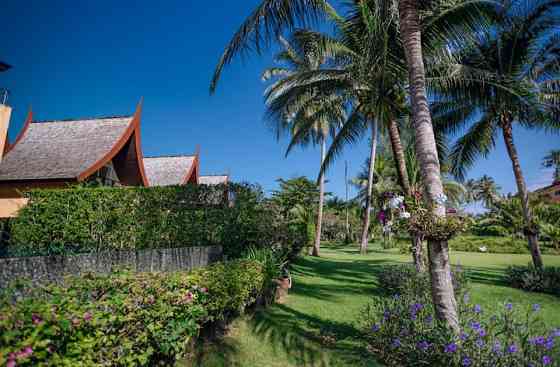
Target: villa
(105,151)
(550,193)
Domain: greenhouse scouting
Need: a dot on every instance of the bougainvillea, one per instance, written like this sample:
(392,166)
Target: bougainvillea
(120,320)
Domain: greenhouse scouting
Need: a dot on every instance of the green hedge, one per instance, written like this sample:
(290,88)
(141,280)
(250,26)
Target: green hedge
(496,245)
(91,219)
(138,319)
(531,279)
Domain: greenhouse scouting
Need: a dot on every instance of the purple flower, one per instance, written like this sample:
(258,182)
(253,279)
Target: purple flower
(429,319)
(466,298)
(477,309)
(450,348)
(512,349)
(423,345)
(36,319)
(509,306)
(479,343)
(556,333)
(375,327)
(416,307)
(396,343)
(546,360)
(386,315)
(549,343)
(497,347)
(481,332)
(536,307)
(474,325)
(463,336)
(466,361)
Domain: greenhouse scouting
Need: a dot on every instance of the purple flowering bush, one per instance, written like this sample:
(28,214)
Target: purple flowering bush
(126,319)
(401,331)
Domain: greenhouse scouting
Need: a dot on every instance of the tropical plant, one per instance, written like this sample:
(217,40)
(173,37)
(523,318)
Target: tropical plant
(514,77)
(271,17)
(483,189)
(310,117)
(552,160)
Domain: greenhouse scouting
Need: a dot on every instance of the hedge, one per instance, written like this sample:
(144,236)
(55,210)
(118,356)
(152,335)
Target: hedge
(531,279)
(91,219)
(140,319)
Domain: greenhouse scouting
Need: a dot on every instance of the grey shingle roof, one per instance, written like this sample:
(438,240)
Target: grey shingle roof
(169,170)
(61,149)
(213,179)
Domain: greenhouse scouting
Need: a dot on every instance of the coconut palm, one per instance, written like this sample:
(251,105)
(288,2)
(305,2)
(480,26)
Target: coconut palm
(514,75)
(552,160)
(271,17)
(310,117)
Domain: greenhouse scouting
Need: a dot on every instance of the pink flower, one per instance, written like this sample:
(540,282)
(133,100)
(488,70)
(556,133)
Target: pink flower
(36,319)
(188,297)
(204,290)
(75,321)
(11,363)
(87,316)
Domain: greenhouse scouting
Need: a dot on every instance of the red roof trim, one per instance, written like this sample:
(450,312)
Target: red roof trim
(193,170)
(22,132)
(133,128)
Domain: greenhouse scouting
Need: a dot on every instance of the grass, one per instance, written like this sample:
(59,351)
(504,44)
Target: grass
(317,325)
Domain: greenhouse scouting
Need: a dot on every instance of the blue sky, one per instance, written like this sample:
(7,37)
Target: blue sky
(96,58)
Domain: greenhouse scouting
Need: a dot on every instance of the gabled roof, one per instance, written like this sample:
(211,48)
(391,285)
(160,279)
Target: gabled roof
(75,149)
(213,179)
(171,170)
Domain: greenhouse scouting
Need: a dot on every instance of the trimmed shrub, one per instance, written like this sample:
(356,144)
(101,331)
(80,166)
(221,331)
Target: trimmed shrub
(125,319)
(497,245)
(405,280)
(93,219)
(403,331)
(531,279)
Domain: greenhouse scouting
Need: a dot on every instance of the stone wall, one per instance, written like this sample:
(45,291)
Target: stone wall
(42,269)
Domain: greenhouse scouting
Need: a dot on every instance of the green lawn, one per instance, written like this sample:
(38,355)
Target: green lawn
(316,326)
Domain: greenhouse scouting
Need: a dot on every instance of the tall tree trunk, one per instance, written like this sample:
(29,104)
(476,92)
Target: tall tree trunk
(317,245)
(398,153)
(365,230)
(438,252)
(530,232)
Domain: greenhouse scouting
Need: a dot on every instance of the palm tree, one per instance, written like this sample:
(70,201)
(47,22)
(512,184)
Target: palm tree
(513,71)
(310,117)
(271,17)
(552,160)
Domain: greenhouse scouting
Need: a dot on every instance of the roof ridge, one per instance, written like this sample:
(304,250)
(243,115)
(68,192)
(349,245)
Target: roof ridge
(170,156)
(113,117)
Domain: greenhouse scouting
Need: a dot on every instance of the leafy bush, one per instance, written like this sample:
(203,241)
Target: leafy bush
(497,245)
(405,280)
(531,279)
(125,319)
(273,263)
(92,219)
(403,331)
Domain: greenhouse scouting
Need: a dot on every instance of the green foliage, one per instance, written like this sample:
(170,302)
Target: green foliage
(126,319)
(528,278)
(273,264)
(403,331)
(405,280)
(93,219)
(493,244)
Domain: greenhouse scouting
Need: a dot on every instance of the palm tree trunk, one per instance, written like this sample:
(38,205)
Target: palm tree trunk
(365,230)
(317,245)
(438,252)
(530,232)
(398,153)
